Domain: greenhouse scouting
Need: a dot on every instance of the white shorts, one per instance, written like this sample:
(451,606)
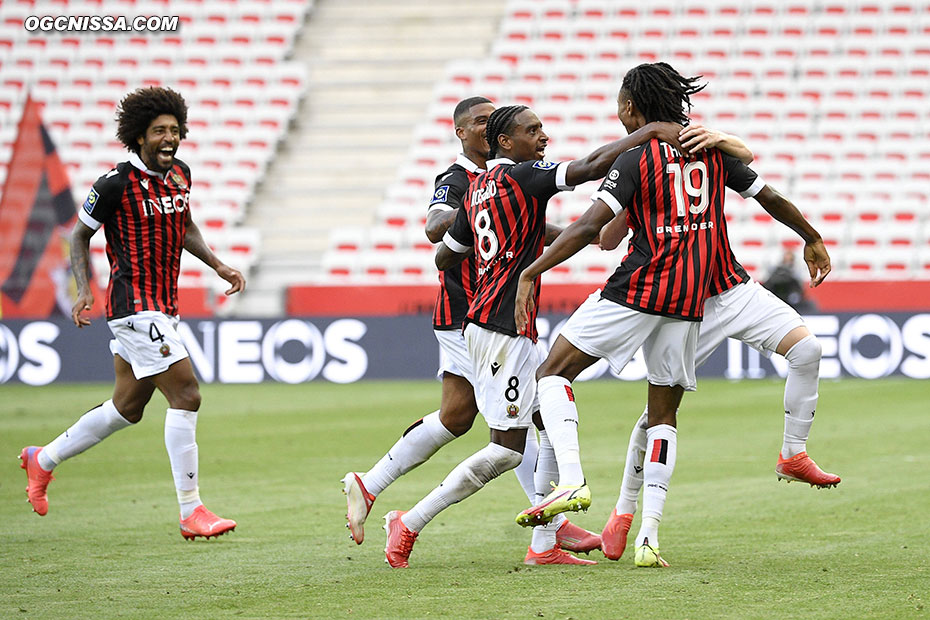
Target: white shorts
(453,355)
(505,371)
(148,340)
(747,312)
(604,329)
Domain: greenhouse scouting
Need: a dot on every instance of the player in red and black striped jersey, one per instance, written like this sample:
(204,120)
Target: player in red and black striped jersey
(520,184)
(458,409)
(655,298)
(143,206)
(738,307)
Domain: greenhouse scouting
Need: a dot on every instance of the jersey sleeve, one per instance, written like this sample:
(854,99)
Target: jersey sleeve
(543,179)
(448,191)
(622,180)
(459,237)
(741,178)
(102,200)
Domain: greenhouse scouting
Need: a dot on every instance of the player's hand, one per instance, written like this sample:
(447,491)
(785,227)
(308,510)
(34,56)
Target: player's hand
(670,133)
(696,138)
(233,276)
(818,261)
(523,305)
(84,303)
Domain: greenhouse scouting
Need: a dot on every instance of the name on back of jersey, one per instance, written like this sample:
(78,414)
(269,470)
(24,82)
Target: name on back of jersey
(683,228)
(480,195)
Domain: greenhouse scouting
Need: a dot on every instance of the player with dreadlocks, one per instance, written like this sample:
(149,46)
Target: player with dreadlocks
(503,225)
(142,205)
(655,298)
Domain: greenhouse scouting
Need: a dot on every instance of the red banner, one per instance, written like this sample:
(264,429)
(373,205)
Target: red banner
(37,213)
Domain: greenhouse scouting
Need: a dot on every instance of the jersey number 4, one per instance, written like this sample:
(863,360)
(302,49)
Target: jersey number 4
(683,182)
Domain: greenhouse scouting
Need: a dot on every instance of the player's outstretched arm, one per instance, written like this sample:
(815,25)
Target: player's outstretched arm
(783,210)
(195,244)
(80,267)
(576,236)
(696,138)
(598,162)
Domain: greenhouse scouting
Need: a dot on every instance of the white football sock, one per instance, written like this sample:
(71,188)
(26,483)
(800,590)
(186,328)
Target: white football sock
(633,468)
(180,440)
(90,429)
(419,442)
(467,477)
(661,450)
(547,470)
(560,417)
(525,471)
(800,394)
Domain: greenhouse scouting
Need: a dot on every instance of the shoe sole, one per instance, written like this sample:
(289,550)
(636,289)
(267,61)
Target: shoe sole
(354,496)
(789,479)
(545,515)
(191,536)
(24,458)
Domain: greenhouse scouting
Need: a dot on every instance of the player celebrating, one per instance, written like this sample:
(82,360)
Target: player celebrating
(143,206)
(457,409)
(654,299)
(503,223)
(741,308)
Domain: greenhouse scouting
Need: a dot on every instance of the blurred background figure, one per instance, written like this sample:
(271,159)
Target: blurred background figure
(787,284)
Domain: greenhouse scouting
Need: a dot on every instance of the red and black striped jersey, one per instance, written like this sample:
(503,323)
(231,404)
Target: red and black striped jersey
(675,209)
(504,225)
(456,285)
(144,216)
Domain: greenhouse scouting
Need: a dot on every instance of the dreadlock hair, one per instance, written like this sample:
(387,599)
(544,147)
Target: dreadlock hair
(464,106)
(139,108)
(660,93)
(501,122)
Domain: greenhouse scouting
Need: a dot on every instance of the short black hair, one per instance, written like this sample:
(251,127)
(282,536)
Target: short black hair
(660,93)
(139,108)
(463,106)
(500,122)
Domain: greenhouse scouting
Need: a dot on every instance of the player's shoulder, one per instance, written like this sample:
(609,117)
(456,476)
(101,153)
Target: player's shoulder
(453,175)
(114,179)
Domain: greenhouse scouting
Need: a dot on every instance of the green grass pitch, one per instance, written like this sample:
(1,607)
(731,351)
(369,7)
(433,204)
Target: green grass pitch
(741,544)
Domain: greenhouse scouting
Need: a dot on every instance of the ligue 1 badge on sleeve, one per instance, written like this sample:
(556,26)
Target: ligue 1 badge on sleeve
(165,350)
(512,410)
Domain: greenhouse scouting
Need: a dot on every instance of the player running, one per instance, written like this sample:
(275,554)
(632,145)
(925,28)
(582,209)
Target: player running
(142,204)
(503,224)
(741,308)
(655,298)
(457,408)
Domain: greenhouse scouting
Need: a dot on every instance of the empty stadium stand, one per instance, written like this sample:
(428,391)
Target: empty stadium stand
(833,97)
(229,58)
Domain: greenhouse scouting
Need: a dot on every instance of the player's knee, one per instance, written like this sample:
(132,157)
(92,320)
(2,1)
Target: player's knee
(457,420)
(188,397)
(806,351)
(131,411)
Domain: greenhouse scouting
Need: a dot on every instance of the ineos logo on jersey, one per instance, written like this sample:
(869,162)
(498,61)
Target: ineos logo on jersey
(166,204)
(480,195)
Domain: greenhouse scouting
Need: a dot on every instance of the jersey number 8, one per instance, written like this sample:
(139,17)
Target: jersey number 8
(488,244)
(681,176)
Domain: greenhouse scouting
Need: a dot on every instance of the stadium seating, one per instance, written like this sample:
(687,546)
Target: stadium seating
(832,98)
(229,58)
